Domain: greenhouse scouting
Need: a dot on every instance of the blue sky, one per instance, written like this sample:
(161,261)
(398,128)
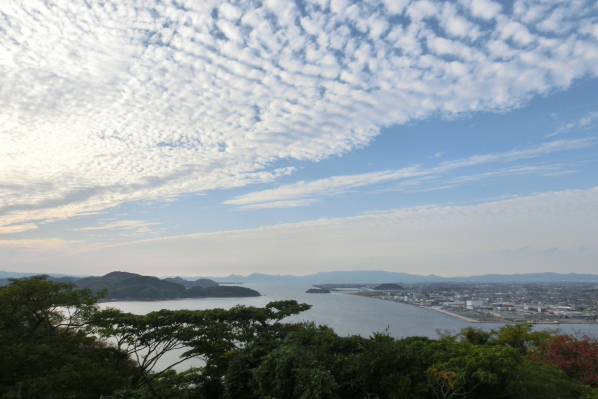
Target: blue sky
(209,138)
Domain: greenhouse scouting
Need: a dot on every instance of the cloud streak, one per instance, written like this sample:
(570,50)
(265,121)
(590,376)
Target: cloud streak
(440,239)
(17,228)
(106,103)
(305,193)
(120,224)
(140,227)
(328,186)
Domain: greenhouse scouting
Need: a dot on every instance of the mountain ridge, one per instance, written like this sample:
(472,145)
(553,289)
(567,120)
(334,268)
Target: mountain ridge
(380,276)
(364,276)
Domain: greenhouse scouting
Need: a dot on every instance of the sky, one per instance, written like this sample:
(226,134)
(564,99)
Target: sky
(207,138)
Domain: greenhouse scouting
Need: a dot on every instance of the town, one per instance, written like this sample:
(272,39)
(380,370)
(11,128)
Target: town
(574,303)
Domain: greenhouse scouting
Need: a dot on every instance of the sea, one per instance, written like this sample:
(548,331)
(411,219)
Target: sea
(347,314)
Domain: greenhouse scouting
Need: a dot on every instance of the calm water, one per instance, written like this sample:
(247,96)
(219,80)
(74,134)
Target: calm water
(346,314)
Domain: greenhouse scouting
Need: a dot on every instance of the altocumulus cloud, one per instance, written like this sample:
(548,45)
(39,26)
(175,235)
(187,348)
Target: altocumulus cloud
(105,102)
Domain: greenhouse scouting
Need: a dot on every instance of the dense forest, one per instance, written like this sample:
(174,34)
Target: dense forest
(55,342)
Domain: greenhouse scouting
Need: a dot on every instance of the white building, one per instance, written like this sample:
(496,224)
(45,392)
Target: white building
(474,304)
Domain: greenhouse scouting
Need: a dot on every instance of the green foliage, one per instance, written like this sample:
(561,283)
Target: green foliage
(54,344)
(518,336)
(221,291)
(45,351)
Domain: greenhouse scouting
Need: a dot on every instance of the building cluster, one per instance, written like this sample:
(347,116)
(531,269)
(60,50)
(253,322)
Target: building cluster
(562,302)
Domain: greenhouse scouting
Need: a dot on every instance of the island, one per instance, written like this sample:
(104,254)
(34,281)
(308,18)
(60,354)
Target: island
(318,291)
(121,286)
(219,292)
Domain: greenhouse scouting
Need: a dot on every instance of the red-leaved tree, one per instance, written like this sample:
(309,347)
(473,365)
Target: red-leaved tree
(577,355)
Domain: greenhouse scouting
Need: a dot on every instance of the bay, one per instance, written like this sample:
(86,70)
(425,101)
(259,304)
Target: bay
(347,314)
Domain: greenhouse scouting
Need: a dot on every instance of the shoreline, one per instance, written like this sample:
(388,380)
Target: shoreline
(497,320)
(458,316)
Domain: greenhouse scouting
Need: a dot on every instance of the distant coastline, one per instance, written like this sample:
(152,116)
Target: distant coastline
(471,316)
(124,286)
(370,277)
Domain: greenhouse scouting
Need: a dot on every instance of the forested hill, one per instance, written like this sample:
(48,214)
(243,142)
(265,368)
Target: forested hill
(202,282)
(123,285)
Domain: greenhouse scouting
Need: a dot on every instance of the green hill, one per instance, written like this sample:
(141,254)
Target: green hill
(122,285)
(202,282)
(131,286)
(219,292)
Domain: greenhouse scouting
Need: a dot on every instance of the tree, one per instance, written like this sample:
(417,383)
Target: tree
(145,338)
(45,351)
(49,349)
(209,335)
(576,355)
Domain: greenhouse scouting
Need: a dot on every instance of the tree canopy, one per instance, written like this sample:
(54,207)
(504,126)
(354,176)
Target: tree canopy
(55,342)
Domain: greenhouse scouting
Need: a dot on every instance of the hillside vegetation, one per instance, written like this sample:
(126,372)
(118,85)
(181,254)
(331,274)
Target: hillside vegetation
(131,286)
(202,282)
(84,352)
(222,291)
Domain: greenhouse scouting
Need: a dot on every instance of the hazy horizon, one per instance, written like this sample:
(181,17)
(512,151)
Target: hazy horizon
(200,138)
(350,276)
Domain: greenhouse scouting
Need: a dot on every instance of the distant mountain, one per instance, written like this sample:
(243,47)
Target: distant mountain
(112,280)
(202,282)
(546,277)
(379,277)
(7,275)
(356,276)
(256,277)
(65,279)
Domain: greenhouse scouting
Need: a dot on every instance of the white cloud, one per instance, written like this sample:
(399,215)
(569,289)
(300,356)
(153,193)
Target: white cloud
(229,11)
(121,224)
(328,186)
(293,195)
(532,152)
(17,228)
(446,240)
(546,170)
(589,118)
(483,8)
(102,104)
(395,6)
(584,122)
(279,204)
(36,244)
